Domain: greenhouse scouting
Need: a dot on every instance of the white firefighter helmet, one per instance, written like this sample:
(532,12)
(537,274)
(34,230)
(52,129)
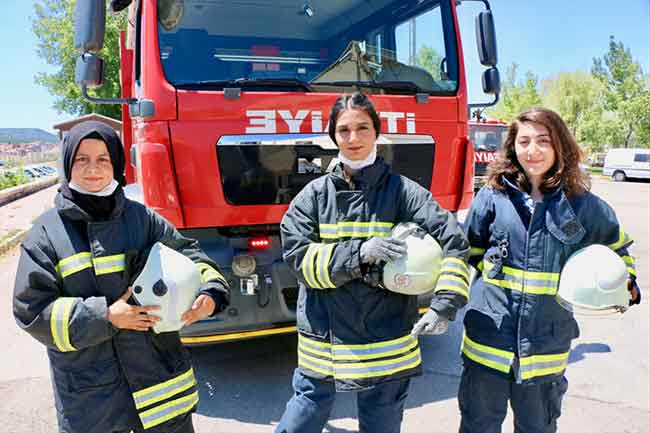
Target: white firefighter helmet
(417,271)
(594,282)
(170,280)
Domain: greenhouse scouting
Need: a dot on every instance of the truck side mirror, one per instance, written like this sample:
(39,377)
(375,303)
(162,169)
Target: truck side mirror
(89,70)
(491,81)
(486,38)
(89,25)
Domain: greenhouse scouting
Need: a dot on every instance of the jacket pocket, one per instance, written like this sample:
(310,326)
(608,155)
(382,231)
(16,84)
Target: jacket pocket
(386,314)
(311,313)
(483,320)
(566,329)
(100,374)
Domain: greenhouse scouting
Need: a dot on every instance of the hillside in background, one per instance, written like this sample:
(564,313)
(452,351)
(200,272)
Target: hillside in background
(26,135)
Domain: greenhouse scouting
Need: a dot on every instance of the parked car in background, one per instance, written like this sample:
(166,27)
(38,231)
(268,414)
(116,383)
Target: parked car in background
(51,171)
(631,163)
(597,159)
(40,170)
(31,173)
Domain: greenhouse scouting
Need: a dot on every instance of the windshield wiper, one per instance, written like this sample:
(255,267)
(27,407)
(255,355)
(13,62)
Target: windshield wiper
(387,85)
(248,82)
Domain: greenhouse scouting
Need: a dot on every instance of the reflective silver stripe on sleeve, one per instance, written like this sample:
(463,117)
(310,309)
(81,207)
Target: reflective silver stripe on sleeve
(60,322)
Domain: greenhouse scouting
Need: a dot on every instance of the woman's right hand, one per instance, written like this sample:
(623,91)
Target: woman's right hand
(125,316)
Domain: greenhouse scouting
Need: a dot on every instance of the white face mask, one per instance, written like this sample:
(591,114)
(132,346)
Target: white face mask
(108,190)
(358,164)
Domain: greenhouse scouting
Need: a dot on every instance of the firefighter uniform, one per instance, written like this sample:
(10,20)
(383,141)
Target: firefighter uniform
(354,336)
(517,336)
(71,269)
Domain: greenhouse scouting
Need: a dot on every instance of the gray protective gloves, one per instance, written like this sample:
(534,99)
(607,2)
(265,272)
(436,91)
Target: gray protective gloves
(430,324)
(377,249)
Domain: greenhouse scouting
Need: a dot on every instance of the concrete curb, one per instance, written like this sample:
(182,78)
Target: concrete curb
(10,242)
(10,194)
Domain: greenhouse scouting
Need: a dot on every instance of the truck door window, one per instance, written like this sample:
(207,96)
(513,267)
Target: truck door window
(420,46)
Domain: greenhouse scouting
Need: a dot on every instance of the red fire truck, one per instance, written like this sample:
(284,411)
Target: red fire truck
(225,117)
(487,137)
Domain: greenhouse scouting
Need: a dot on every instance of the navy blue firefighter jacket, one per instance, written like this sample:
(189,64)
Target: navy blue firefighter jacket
(514,325)
(71,269)
(351,332)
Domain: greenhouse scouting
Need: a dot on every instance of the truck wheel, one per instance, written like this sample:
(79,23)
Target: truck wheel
(619,176)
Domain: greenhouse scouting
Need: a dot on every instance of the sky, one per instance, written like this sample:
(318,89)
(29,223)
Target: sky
(542,36)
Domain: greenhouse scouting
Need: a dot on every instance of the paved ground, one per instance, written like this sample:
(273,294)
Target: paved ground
(18,215)
(245,385)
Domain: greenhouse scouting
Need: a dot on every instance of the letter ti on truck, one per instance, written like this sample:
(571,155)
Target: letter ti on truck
(225,113)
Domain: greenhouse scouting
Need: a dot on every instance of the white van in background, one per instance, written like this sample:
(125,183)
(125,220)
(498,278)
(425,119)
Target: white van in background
(622,164)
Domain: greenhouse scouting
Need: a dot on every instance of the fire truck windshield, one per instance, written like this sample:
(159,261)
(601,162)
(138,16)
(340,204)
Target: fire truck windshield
(488,137)
(397,46)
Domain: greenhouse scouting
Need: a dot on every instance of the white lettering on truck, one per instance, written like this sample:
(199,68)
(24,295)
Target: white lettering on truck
(266,121)
(484,157)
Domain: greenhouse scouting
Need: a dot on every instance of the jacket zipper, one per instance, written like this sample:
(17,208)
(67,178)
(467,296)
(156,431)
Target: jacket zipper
(523,291)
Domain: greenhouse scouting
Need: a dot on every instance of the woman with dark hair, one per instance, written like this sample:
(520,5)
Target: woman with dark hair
(353,334)
(110,373)
(535,211)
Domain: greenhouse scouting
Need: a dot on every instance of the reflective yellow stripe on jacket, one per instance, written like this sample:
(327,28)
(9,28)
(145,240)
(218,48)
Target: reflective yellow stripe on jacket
(315,266)
(59,324)
(164,391)
(502,360)
(475,251)
(355,229)
(84,260)
(73,264)
(497,359)
(208,273)
(108,264)
(358,361)
(542,365)
(454,276)
(537,283)
(630,264)
(624,240)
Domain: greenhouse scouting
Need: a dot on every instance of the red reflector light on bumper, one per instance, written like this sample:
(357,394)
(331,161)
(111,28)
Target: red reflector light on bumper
(259,243)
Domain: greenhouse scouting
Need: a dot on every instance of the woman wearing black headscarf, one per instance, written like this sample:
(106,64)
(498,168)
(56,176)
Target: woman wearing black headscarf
(110,373)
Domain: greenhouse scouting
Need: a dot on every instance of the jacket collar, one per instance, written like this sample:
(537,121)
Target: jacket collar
(560,218)
(71,210)
(367,177)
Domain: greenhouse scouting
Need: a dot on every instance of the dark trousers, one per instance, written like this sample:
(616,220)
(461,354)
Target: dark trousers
(483,399)
(380,408)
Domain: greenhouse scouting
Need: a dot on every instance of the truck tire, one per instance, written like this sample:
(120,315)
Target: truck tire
(619,176)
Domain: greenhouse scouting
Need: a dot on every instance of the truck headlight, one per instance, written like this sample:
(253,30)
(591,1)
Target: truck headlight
(243,265)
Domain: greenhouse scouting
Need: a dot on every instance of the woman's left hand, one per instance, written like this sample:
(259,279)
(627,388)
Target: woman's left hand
(635,293)
(203,306)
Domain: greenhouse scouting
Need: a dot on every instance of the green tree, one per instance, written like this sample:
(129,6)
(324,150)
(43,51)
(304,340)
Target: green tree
(636,112)
(429,59)
(599,129)
(624,83)
(516,95)
(53,26)
(574,96)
